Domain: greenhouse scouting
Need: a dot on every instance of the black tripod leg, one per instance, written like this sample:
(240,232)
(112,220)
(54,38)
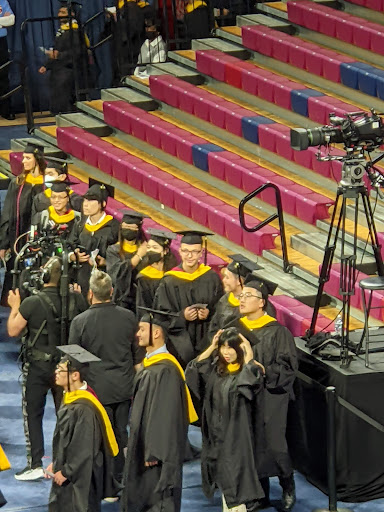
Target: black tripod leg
(329,252)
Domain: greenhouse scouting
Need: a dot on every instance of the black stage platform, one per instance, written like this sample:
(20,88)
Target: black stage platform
(360,445)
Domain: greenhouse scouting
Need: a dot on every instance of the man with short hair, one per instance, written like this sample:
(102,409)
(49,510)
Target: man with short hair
(162,409)
(274,347)
(83,441)
(227,308)
(192,290)
(39,314)
(108,331)
(59,215)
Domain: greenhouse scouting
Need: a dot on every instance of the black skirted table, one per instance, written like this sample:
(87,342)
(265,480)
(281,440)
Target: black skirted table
(360,445)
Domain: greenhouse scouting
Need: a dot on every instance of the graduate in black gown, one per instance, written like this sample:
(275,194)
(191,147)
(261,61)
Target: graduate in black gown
(17,210)
(124,258)
(158,260)
(162,409)
(56,171)
(192,290)
(59,216)
(227,308)
(274,347)
(83,442)
(93,235)
(226,379)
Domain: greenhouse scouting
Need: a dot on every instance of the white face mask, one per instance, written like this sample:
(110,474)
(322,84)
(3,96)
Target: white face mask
(48,180)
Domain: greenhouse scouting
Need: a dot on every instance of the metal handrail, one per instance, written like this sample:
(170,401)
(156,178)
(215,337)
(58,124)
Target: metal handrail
(287,267)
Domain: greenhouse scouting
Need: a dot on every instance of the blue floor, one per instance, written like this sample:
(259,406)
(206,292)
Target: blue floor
(29,496)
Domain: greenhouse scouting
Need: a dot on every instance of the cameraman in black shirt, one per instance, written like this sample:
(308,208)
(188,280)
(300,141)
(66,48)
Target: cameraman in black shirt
(40,316)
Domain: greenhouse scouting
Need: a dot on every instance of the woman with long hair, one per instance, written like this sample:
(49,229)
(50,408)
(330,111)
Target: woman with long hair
(226,379)
(17,210)
(124,257)
(158,260)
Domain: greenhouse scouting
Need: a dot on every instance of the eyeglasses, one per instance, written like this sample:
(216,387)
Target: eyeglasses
(248,295)
(186,252)
(59,370)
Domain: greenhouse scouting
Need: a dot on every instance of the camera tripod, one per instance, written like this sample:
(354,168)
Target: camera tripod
(351,187)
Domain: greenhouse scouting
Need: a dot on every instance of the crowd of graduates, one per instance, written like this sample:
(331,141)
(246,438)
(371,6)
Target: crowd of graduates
(166,341)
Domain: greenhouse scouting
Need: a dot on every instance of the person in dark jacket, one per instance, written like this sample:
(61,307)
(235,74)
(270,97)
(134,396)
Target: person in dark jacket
(108,331)
(65,61)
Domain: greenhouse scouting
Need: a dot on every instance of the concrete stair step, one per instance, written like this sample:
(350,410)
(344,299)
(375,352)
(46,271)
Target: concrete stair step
(313,246)
(214,43)
(131,96)
(267,21)
(170,68)
(49,149)
(84,121)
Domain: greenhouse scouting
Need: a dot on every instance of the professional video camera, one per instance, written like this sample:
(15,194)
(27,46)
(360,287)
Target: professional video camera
(355,130)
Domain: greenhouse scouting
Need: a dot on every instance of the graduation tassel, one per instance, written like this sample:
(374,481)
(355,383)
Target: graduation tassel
(150,330)
(205,250)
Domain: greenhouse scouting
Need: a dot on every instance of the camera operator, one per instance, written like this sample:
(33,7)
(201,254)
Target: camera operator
(39,315)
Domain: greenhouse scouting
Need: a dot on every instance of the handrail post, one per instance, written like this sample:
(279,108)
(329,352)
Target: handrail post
(287,267)
(330,394)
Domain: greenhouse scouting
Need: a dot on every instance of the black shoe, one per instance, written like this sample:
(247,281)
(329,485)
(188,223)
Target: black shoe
(288,500)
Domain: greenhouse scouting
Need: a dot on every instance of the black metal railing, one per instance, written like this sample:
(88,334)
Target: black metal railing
(287,267)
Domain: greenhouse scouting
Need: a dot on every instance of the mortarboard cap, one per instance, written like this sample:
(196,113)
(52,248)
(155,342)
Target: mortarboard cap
(160,236)
(242,266)
(60,186)
(109,188)
(192,236)
(132,217)
(34,148)
(60,165)
(156,317)
(77,356)
(263,285)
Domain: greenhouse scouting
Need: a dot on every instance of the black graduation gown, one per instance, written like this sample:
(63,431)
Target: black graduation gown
(130,34)
(174,294)
(80,452)
(104,236)
(226,311)
(274,347)
(147,281)
(42,218)
(228,457)
(16,216)
(158,430)
(123,277)
(72,53)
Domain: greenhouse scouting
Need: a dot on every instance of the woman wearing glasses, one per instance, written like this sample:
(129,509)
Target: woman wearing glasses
(226,379)
(274,347)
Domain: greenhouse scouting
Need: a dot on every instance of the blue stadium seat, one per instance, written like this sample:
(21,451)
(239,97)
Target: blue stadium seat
(299,100)
(250,127)
(200,154)
(349,73)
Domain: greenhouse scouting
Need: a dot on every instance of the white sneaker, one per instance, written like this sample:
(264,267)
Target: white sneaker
(111,500)
(30,474)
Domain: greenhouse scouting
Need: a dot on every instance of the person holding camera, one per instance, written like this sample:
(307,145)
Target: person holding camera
(39,315)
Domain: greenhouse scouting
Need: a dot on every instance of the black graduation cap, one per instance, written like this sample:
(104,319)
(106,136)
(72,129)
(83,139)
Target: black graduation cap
(109,188)
(34,148)
(160,236)
(156,317)
(242,266)
(59,165)
(132,217)
(264,286)
(77,356)
(60,186)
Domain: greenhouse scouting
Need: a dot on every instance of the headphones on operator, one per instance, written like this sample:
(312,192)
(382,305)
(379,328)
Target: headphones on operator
(47,270)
